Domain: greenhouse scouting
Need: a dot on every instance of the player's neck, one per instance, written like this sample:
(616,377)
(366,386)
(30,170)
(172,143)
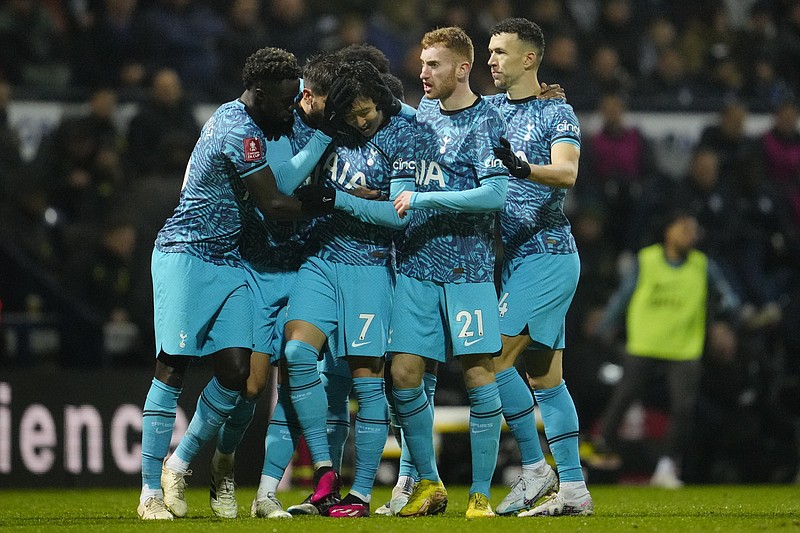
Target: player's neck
(246,99)
(462,98)
(304,107)
(525,87)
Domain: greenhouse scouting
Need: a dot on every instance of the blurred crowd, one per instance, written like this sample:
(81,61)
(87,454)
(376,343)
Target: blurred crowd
(78,219)
(664,54)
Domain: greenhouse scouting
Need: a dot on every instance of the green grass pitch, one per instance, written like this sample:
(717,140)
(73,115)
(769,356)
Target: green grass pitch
(723,508)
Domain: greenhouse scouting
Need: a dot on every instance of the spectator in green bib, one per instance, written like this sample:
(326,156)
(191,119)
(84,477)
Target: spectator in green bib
(672,298)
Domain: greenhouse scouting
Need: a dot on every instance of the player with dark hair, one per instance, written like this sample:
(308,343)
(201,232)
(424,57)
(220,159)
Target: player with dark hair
(328,304)
(273,251)
(365,52)
(540,273)
(445,299)
(395,85)
(283,432)
(407,474)
(202,302)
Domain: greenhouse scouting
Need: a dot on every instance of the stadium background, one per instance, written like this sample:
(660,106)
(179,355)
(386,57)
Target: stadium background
(690,101)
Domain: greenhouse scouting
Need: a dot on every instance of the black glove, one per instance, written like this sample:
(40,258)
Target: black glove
(516,166)
(337,104)
(386,100)
(317,199)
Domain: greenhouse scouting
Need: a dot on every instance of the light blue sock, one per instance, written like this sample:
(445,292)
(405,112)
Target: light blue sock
(337,390)
(308,397)
(416,419)
(561,428)
(406,465)
(158,419)
(429,382)
(234,428)
(213,407)
(517,400)
(283,434)
(372,427)
(485,423)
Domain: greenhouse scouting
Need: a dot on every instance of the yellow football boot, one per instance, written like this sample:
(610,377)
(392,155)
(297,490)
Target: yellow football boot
(478,506)
(427,498)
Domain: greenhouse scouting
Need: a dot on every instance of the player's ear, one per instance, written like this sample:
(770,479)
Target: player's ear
(306,95)
(531,60)
(259,94)
(463,70)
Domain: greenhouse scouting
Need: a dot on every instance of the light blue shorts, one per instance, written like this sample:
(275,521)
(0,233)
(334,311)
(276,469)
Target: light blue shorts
(199,308)
(434,320)
(270,291)
(350,304)
(324,358)
(536,295)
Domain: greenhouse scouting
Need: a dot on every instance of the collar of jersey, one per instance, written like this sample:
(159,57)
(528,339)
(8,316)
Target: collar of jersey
(449,112)
(521,100)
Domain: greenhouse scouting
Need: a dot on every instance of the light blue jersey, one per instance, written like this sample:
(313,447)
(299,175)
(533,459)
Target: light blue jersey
(274,250)
(454,153)
(541,266)
(301,132)
(389,155)
(208,220)
(533,219)
(351,254)
(269,245)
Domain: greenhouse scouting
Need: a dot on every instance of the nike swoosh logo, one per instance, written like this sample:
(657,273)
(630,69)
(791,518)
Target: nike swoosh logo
(325,200)
(355,344)
(162,431)
(480,430)
(470,343)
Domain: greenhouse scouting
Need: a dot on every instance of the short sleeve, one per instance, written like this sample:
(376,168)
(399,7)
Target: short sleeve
(566,126)
(246,148)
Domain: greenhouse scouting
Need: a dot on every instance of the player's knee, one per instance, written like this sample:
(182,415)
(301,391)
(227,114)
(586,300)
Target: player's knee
(233,375)
(170,370)
(299,353)
(260,372)
(405,377)
(544,382)
(254,387)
